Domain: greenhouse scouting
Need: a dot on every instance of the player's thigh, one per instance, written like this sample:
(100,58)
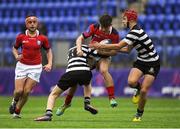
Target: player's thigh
(19,84)
(34,72)
(134,75)
(30,83)
(147,82)
(104,64)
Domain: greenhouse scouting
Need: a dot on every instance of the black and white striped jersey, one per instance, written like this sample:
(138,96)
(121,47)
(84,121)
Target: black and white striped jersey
(142,43)
(79,62)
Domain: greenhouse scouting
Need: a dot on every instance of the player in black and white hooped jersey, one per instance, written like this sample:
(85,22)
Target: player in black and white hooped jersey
(78,72)
(142,43)
(79,62)
(147,63)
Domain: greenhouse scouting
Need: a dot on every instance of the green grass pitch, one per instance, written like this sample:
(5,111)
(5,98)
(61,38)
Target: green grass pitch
(159,113)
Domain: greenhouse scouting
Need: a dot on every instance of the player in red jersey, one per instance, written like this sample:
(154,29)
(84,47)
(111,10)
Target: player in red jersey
(147,64)
(98,32)
(28,68)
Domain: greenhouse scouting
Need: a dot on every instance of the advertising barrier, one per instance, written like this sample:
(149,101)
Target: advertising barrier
(167,84)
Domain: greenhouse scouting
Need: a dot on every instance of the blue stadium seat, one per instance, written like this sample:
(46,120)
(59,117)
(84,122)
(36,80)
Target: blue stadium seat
(151,33)
(167,22)
(176,8)
(171,1)
(177,33)
(152,2)
(157,24)
(158,33)
(159,49)
(123,4)
(176,23)
(168,9)
(141,19)
(168,33)
(1,13)
(149,21)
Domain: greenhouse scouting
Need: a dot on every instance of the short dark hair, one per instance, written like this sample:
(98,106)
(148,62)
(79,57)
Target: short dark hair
(105,20)
(30,15)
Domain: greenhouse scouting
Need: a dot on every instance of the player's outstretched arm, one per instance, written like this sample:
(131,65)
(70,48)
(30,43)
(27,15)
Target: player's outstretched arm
(127,49)
(107,53)
(118,46)
(79,41)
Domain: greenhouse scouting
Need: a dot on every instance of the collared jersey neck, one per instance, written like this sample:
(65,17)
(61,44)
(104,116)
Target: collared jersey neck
(27,33)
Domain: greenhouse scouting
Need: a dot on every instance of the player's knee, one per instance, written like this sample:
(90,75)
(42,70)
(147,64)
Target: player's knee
(144,90)
(54,94)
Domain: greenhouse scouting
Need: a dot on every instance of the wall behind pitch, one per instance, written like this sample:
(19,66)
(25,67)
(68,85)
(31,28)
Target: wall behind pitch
(166,84)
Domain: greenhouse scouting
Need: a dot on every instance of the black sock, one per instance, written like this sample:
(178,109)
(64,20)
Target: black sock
(15,100)
(87,101)
(49,112)
(138,86)
(140,112)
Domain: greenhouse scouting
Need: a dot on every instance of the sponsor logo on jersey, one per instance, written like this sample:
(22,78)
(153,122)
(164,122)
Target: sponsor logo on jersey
(25,41)
(38,42)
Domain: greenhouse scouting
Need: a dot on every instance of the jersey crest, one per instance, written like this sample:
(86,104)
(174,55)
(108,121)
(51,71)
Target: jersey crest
(38,42)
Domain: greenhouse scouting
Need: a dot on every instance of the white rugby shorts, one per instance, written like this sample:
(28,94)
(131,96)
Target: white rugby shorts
(31,71)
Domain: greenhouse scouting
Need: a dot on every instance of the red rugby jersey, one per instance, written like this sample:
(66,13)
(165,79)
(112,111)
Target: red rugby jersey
(98,35)
(31,48)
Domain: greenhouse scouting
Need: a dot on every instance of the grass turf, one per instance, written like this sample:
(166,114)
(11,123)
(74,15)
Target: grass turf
(159,113)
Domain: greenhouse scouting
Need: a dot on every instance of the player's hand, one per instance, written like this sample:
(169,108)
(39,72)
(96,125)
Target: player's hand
(95,45)
(79,52)
(47,67)
(19,57)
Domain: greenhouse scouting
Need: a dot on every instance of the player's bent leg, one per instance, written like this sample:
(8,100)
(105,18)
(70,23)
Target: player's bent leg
(133,78)
(147,82)
(29,84)
(53,96)
(50,104)
(103,68)
(60,111)
(18,91)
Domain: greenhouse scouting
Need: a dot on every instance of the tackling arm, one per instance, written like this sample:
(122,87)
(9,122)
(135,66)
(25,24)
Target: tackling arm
(107,53)
(79,41)
(127,49)
(118,46)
